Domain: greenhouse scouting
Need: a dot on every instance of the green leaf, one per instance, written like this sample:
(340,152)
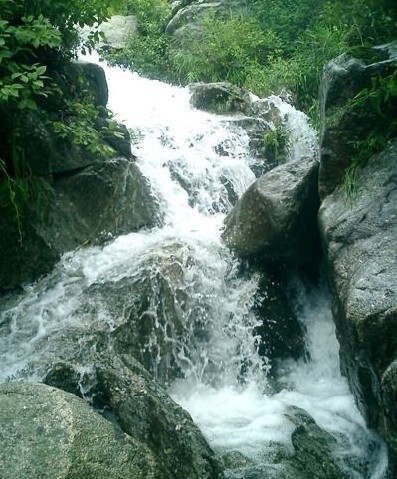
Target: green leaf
(27,103)
(41,70)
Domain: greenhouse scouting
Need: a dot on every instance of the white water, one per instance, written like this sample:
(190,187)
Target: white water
(176,146)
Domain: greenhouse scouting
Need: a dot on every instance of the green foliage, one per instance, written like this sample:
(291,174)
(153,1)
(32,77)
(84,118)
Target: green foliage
(22,80)
(146,53)
(264,46)
(78,125)
(381,98)
(277,140)
(224,49)
(380,95)
(32,34)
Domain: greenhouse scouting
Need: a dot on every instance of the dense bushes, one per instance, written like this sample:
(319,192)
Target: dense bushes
(148,52)
(264,45)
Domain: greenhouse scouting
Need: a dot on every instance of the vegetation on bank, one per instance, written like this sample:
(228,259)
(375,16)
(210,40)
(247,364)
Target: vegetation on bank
(263,45)
(38,39)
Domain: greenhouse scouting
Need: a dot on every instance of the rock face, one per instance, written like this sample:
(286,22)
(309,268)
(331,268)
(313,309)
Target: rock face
(45,152)
(83,207)
(150,308)
(275,219)
(359,242)
(346,125)
(125,392)
(188,15)
(47,433)
(77,196)
(282,335)
(358,231)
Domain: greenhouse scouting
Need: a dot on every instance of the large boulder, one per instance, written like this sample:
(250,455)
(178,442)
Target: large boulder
(127,395)
(219,97)
(346,125)
(188,15)
(46,152)
(48,433)
(149,307)
(311,454)
(86,206)
(275,219)
(359,243)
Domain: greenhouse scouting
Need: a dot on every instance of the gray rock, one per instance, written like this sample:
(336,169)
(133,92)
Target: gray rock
(359,243)
(47,433)
(267,143)
(87,206)
(92,80)
(343,123)
(46,152)
(314,448)
(121,388)
(189,15)
(149,308)
(111,198)
(91,359)
(275,219)
(219,97)
(311,455)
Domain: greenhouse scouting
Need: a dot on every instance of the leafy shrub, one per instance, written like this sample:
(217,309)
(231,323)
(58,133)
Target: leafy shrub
(146,53)
(223,49)
(32,34)
(381,98)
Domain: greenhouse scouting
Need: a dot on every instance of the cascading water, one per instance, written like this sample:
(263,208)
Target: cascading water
(224,384)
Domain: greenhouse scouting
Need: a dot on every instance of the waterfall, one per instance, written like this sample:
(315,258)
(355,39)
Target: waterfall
(222,379)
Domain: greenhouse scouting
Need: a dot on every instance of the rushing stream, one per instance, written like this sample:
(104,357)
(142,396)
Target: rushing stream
(178,150)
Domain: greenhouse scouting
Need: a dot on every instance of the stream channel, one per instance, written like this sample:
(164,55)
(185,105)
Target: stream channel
(193,160)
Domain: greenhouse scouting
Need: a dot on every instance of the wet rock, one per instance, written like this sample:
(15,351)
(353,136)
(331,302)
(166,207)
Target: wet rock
(46,152)
(220,97)
(282,335)
(359,243)
(119,138)
(47,433)
(153,310)
(313,449)
(125,393)
(264,152)
(310,454)
(80,208)
(149,313)
(275,220)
